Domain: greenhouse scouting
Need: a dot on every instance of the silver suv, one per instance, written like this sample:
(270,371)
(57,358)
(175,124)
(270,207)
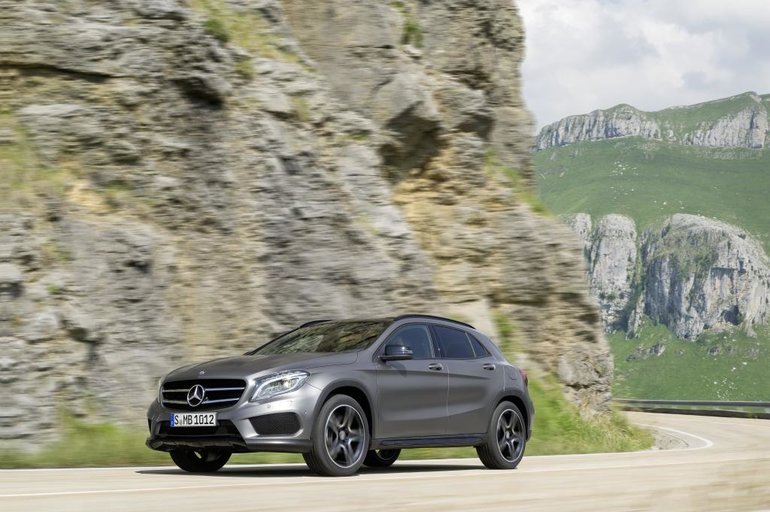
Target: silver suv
(346,394)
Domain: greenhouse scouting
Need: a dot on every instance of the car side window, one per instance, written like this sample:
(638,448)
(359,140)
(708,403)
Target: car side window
(453,343)
(478,348)
(416,337)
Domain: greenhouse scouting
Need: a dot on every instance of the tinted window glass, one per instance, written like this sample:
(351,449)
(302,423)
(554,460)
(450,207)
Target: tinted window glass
(326,337)
(416,337)
(453,344)
(478,348)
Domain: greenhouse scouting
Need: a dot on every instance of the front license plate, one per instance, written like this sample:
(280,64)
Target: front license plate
(194,419)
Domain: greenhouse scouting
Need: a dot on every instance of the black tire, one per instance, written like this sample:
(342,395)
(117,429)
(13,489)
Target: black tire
(381,458)
(506,440)
(340,438)
(200,461)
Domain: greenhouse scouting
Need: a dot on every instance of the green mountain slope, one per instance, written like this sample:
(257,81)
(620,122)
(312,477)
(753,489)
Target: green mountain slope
(649,180)
(725,366)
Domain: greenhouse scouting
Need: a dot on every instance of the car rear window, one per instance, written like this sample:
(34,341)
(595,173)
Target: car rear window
(478,348)
(453,343)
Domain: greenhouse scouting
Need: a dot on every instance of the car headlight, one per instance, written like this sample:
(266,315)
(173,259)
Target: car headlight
(279,383)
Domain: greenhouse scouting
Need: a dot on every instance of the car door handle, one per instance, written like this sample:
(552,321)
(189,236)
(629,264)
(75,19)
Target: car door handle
(489,366)
(436,367)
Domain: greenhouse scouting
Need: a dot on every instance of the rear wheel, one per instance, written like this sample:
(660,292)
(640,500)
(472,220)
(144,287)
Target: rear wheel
(507,438)
(381,458)
(200,461)
(340,438)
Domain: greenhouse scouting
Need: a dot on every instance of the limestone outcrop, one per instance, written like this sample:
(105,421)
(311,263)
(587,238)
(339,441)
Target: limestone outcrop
(692,274)
(182,180)
(735,122)
(620,121)
(702,274)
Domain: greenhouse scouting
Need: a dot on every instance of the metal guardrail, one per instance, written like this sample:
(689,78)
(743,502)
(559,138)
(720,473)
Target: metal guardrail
(699,407)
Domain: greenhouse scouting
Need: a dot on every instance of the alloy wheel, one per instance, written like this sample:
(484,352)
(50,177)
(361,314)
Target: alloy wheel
(510,435)
(344,436)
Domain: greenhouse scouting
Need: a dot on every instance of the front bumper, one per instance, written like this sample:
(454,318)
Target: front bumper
(241,428)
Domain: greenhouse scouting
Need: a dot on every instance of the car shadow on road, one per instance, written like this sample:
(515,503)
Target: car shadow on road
(300,471)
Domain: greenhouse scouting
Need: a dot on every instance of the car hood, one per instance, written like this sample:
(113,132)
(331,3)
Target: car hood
(242,367)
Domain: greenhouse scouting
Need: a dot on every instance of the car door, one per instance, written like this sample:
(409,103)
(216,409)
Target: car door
(475,380)
(411,394)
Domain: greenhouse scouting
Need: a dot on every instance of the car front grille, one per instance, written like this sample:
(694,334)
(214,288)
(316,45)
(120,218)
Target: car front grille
(218,394)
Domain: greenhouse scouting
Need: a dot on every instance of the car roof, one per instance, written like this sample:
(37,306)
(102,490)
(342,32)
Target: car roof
(433,317)
(407,316)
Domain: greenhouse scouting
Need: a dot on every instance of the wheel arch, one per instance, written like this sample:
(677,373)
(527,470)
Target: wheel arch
(355,391)
(522,405)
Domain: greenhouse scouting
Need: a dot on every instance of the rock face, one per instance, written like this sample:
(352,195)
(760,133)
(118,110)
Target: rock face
(613,264)
(703,275)
(581,224)
(610,251)
(412,68)
(621,121)
(694,274)
(744,129)
(179,184)
(735,122)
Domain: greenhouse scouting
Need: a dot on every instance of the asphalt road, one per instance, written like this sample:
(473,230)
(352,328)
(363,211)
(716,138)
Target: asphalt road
(721,464)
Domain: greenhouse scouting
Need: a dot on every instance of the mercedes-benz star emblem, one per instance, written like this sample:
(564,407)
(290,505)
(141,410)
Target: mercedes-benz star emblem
(196,395)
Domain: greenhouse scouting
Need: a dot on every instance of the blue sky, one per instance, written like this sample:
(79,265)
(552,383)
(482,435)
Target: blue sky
(589,54)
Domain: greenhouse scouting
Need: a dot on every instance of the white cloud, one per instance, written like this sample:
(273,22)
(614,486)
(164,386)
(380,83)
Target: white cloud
(589,54)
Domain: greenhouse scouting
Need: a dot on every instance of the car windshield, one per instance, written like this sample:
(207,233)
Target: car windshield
(326,337)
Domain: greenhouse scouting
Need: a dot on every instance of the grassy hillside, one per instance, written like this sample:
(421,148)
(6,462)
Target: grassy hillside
(726,366)
(650,180)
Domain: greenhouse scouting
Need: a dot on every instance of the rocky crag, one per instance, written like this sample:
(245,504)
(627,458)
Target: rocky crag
(736,122)
(692,274)
(611,251)
(182,180)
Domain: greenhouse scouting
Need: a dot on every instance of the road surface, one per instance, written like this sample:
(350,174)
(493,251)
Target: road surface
(722,464)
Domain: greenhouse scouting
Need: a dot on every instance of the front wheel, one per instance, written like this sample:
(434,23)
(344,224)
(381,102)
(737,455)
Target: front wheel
(200,461)
(340,438)
(381,458)
(504,446)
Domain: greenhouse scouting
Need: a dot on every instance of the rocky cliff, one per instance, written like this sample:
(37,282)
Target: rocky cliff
(184,179)
(702,274)
(735,122)
(610,249)
(693,274)
(620,121)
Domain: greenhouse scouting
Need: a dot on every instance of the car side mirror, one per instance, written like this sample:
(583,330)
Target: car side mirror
(397,353)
